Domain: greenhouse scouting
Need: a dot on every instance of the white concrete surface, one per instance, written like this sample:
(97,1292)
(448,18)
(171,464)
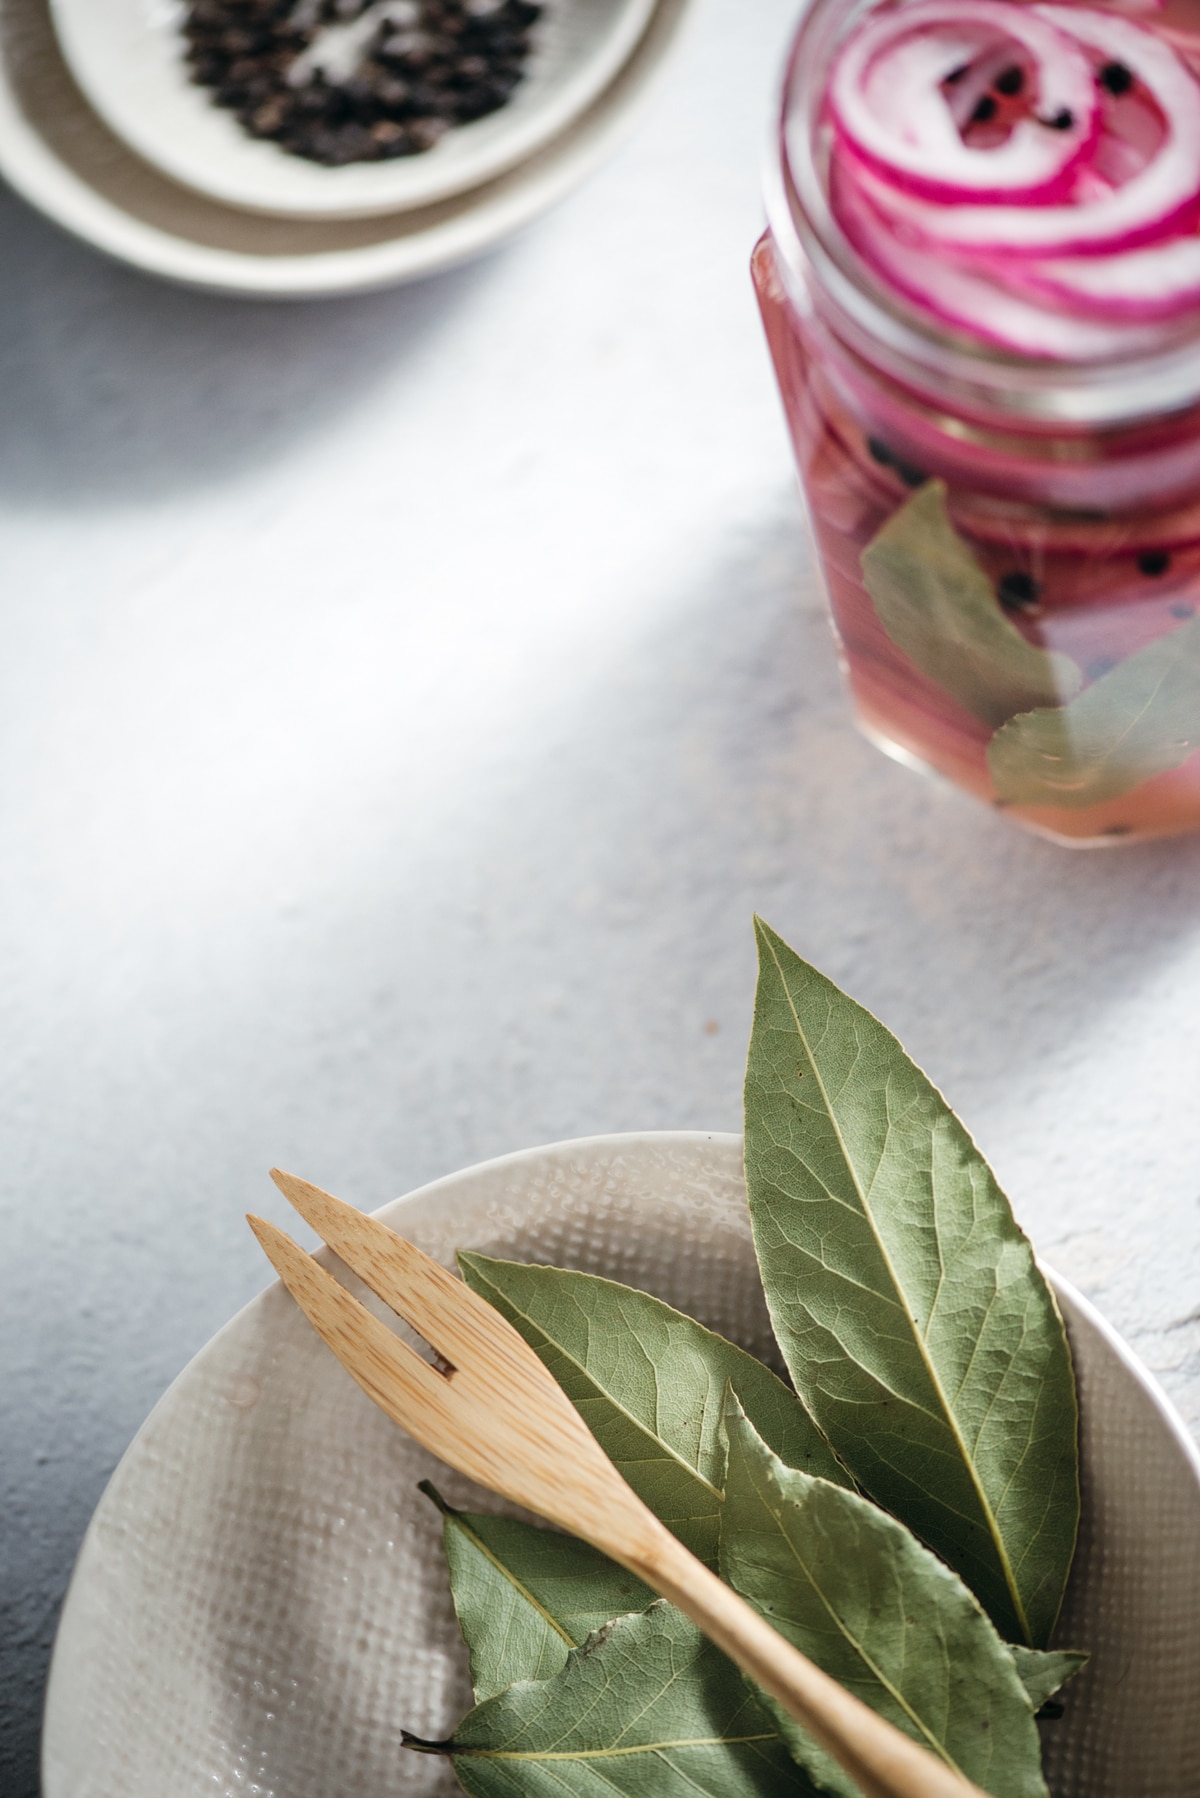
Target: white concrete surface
(404,703)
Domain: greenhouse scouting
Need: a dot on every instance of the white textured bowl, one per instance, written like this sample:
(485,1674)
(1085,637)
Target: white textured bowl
(260,1603)
(61,157)
(128,58)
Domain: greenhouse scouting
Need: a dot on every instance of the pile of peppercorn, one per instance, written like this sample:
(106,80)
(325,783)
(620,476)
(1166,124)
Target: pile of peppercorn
(424,66)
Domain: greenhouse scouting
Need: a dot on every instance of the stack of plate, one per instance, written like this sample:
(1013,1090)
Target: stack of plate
(101,128)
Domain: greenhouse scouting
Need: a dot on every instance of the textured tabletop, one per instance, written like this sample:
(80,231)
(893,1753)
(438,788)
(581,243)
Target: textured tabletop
(405,702)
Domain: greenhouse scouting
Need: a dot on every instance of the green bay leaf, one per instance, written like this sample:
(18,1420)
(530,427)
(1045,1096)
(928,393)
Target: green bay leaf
(1045,1672)
(856,1592)
(936,604)
(650,1384)
(647,1707)
(1140,719)
(913,1319)
(525,1597)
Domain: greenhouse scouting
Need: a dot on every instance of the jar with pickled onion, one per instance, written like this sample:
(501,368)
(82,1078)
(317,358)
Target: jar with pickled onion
(981,290)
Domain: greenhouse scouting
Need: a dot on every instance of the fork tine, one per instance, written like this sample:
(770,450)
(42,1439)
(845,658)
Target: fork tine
(410,1282)
(390,1372)
(502,1419)
(496,1414)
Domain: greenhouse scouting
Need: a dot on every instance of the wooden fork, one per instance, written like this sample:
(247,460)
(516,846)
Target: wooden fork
(493,1411)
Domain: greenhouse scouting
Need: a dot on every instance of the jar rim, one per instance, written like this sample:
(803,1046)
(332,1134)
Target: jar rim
(1158,376)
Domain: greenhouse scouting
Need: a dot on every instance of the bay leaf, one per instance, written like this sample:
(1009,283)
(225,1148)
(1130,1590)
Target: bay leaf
(646,1707)
(856,1592)
(650,1384)
(910,1311)
(937,605)
(525,1597)
(1138,720)
(1045,1672)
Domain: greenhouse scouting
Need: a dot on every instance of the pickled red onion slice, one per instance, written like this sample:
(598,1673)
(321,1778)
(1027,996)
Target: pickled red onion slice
(891,98)
(1163,194)
(968,297)
(1049,232)
(1158,281)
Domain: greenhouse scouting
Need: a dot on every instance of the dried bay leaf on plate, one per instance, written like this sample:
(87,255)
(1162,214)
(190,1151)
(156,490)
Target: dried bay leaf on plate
(647,1707)
(525,1597)
(911,1314)
(1140,719)
(937,605)
(650,1384)
(856,1592)
(1045,1672)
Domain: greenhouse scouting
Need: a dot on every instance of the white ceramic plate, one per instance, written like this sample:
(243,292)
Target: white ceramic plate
(127,56)
(261,1604)
(59,155)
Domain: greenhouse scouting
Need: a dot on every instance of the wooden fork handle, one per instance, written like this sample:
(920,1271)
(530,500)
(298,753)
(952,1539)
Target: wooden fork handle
(882,1761)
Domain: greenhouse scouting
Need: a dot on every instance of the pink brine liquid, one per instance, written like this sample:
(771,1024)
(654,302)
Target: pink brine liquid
(981,291)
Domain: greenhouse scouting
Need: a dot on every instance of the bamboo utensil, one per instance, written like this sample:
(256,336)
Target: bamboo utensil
(491,1409)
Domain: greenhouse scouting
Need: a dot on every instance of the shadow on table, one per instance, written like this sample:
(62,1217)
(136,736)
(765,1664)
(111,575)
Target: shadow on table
(118,387)
(984,947)
(561,946)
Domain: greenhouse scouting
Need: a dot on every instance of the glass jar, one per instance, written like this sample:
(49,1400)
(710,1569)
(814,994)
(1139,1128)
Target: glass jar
(1010,544)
